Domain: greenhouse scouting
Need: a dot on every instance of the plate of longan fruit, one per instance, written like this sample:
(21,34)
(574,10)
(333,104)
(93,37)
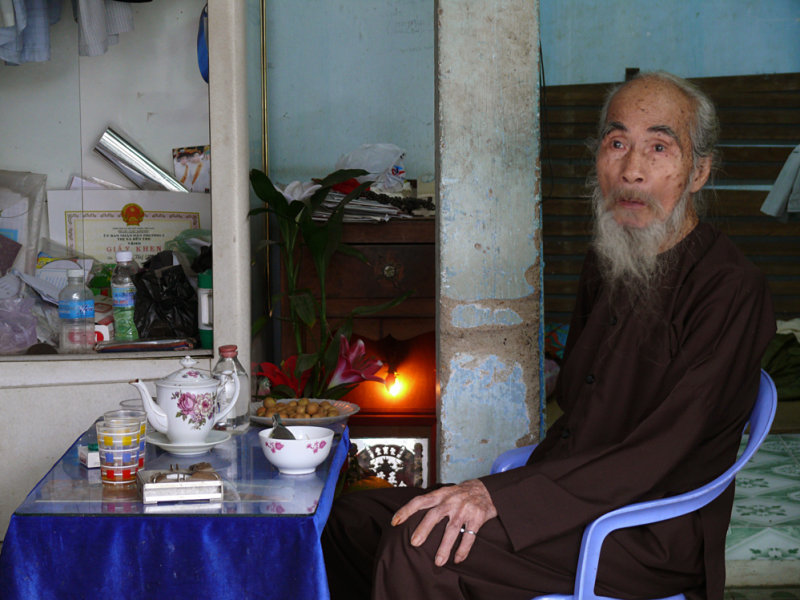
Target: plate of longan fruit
(302,411)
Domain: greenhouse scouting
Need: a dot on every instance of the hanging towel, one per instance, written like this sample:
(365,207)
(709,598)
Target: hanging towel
(783,200)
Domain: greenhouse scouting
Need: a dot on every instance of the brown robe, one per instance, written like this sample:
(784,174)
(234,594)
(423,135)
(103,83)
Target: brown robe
(654,404)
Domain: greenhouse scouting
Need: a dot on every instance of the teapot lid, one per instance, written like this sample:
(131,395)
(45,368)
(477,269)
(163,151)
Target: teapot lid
(189,375)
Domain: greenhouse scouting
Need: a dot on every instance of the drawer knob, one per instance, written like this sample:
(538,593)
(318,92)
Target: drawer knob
(389,271)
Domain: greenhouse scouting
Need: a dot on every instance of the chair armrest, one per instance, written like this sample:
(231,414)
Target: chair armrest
(511,459)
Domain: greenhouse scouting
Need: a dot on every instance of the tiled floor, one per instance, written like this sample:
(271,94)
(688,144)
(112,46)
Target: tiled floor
(764,535)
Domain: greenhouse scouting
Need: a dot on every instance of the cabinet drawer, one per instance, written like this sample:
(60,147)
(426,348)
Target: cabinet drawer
(389,270)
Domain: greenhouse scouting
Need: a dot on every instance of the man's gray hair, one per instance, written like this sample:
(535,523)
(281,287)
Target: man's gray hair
(703,134)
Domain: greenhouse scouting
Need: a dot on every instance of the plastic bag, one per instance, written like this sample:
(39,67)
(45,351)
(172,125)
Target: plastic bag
(383,162)
(190,242)
(166,302)
(17,325)
(22,197)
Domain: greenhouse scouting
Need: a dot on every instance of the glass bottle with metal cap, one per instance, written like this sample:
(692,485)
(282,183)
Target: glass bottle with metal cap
(229,361)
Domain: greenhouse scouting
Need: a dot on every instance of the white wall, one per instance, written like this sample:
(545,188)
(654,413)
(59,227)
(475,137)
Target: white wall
(593,41)
(148,87)
(342,74)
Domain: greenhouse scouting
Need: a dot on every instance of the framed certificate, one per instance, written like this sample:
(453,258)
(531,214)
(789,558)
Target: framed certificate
(99,223)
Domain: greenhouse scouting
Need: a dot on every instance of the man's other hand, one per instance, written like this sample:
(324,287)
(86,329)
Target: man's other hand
(467,506)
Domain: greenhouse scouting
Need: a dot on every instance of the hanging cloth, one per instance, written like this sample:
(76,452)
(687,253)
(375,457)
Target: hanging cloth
(28,38)
(99,24)
(783,200)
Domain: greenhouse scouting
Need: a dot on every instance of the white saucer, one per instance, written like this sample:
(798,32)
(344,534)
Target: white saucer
(215,437)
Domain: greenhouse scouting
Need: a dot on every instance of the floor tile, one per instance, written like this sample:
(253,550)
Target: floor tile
(765,522)
(763,593)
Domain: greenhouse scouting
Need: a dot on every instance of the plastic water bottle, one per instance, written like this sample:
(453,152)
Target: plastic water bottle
(76,313)
(229,361)
(123,295)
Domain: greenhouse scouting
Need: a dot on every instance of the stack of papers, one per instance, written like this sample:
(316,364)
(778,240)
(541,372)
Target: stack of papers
(359,210)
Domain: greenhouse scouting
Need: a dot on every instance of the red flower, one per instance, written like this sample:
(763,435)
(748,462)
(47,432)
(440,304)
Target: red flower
(354,366)
(284,376)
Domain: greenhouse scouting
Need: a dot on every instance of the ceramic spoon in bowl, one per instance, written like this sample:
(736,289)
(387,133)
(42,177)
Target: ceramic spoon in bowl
(279,430)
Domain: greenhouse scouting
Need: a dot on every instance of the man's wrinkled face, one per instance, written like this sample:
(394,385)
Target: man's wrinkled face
(644,160)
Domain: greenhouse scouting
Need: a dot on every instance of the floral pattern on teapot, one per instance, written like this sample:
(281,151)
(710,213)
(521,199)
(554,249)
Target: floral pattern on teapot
(195,408)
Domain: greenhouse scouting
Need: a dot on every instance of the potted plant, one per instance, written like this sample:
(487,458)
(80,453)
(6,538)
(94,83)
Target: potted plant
(332,365)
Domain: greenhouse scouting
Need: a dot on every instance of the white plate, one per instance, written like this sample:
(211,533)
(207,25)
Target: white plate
(215,437)
(346,409)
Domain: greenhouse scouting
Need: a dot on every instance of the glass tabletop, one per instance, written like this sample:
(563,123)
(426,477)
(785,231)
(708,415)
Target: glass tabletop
(251,485)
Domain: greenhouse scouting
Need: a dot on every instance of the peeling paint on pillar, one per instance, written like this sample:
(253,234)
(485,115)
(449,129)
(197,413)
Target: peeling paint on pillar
(474,315)
(475,393)
(489,232)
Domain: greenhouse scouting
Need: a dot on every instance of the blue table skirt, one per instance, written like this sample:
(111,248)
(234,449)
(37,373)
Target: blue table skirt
(171,557)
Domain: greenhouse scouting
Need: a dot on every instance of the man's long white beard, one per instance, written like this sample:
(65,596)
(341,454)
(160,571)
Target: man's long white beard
(630,256)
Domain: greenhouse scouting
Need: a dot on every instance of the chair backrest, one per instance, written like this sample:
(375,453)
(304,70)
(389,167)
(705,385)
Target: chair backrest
(653,511)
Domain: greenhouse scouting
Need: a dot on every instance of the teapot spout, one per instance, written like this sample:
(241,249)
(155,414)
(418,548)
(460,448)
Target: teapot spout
(156,416)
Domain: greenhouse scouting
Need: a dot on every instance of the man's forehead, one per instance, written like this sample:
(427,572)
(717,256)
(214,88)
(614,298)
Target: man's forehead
(657,105)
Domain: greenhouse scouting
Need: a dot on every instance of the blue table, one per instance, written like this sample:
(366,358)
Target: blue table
(73,537)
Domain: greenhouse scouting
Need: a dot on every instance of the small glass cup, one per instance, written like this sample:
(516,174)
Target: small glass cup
(119,434)
(118,475)
(131,413)
(140,416)
(132,404)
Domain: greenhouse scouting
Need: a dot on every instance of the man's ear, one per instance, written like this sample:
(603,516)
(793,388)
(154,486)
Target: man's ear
(700,174)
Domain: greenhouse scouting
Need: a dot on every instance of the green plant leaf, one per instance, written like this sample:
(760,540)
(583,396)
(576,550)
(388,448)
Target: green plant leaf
(334,223)
(305,362)
(268,194)
(281,391)
(332,352)
(315,237)
(370,310)
(258,325)
(350,251)
(341,176)
(302,303)
(329,181)
(345,329)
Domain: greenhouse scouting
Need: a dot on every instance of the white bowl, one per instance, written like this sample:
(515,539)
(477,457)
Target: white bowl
(299,456)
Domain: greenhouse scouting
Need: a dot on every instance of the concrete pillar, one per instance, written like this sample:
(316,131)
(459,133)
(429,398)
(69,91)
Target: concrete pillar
(489,243)
(230,188)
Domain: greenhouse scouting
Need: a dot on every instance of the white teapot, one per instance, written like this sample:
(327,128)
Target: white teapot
(190,402)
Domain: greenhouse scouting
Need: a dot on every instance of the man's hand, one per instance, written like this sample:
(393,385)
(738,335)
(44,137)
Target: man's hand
(467,505)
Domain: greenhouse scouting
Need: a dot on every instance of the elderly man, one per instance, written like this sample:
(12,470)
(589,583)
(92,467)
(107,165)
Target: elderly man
(661,369)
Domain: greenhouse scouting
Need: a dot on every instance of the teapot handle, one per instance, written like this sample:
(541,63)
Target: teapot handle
(230,401)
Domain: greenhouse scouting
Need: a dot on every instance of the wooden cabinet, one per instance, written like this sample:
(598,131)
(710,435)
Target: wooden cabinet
(400,256)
